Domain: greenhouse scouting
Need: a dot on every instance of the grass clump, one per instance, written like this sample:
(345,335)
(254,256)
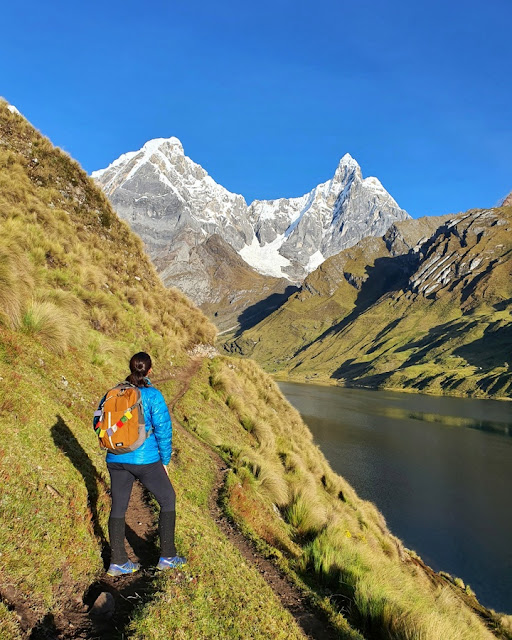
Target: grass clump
(51,325)
(305,513)
(9,626)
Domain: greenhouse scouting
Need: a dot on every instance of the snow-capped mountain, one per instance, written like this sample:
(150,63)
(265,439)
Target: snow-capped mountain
(174,205)
(506,201)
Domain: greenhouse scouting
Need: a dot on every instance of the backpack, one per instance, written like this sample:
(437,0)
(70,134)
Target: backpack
(121,427)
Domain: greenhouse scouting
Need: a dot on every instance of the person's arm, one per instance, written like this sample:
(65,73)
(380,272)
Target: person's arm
(97,413)
(162,427)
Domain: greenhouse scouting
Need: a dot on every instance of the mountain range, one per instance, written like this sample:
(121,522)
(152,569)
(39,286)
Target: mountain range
(79,296)
(176,208)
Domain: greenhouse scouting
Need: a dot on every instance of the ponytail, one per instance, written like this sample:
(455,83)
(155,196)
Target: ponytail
(140,364)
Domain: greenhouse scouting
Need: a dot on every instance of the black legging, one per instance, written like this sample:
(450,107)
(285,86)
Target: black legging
(154,478)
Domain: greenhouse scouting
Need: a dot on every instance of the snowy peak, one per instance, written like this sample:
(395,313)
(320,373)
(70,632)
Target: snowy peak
(165,195)
(349,162)
(153,151)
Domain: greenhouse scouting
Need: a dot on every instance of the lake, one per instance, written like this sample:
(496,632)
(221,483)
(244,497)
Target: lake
(438,468)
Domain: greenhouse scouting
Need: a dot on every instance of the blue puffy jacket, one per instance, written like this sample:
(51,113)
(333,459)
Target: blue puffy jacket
(159,444)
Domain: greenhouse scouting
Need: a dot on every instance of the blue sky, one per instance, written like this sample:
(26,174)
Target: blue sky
(268,96)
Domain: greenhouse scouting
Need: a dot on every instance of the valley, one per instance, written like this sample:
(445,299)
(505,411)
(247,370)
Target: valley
(79,296)
(389,313)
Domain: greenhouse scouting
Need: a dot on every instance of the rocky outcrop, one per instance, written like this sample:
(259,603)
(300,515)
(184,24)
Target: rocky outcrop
(226,288)
(460,254)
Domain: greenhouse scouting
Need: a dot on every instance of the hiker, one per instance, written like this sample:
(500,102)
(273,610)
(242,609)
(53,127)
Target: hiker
(145,460)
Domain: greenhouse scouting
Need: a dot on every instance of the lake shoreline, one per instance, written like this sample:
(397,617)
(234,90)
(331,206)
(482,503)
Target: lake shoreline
(328,382)
(438,468)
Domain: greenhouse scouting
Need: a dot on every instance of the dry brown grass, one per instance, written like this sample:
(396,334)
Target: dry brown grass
(69,239)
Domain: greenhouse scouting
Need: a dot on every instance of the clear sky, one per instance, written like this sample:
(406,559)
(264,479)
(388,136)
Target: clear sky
(267,96)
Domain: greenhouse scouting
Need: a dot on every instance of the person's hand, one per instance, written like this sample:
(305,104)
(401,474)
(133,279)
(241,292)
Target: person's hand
(165,469)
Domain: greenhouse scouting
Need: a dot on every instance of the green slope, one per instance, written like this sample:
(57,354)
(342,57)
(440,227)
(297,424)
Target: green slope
(435,319)
(78,296)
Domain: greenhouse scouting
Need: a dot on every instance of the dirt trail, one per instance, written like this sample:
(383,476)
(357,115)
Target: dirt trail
(76,620)
(312,623)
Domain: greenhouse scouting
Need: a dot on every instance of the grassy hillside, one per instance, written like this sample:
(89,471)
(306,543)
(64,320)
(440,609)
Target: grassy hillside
(333,291)
(436,319)
(78,296)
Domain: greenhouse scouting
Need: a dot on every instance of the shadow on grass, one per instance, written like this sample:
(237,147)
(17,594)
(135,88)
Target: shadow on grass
(488,354)
(130,591)
(259,311)
(46,629)
(66,441)
(387,275)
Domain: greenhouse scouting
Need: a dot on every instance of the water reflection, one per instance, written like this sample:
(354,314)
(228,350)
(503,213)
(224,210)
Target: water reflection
(440,469)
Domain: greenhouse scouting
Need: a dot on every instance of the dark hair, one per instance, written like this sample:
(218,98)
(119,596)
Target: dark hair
(140,364)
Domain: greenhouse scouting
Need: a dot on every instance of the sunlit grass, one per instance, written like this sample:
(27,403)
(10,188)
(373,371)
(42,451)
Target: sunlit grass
(323,528)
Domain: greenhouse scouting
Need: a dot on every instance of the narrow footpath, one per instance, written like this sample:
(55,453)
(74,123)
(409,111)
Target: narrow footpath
(312,623)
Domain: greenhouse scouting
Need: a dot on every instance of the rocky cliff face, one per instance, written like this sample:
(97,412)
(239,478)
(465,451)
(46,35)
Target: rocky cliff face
(174,205)
(465,259)
(228,290)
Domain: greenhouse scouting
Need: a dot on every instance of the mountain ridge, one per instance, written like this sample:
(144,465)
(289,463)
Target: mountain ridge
(80,297)
(164,194)
(433,317)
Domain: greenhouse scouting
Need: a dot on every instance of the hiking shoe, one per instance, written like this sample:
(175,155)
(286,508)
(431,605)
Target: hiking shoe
(170,563)
(116,570)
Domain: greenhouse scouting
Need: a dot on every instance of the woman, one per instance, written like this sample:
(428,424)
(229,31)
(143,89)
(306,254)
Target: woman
(148,464)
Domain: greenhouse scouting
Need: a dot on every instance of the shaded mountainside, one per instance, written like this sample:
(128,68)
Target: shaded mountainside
(78,296)
(333,291)
(225,287)
(433,317)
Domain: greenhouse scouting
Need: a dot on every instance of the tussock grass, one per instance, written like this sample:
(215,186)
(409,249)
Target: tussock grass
(9,625)
(59,234)
(328,535)
(10,304)
(16,285)
(506,623)
(104,351)
(305,513)
(52,326)
(273,486)
(219,594)
(83,297)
